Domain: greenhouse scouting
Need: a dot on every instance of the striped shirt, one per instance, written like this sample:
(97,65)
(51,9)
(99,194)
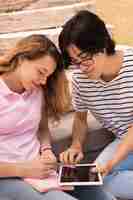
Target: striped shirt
(110,102)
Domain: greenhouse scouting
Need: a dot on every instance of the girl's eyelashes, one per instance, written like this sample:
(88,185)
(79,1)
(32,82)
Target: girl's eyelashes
(42,74)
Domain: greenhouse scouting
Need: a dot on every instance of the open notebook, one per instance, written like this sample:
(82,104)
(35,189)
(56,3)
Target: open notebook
(44,185)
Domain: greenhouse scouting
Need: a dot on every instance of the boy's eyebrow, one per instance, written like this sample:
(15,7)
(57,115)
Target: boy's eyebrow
(82,52)
(75,52)
(79,54)
(71,58)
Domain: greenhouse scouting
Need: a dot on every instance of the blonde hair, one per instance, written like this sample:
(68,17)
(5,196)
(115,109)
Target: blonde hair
(56,91)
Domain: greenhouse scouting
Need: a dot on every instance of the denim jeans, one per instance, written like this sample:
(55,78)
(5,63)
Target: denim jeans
(92,193)
(17,189)
(120,181)
(5,198)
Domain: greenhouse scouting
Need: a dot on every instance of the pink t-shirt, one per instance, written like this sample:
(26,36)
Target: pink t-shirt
(20,115)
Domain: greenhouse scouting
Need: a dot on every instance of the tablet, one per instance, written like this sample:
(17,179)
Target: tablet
(79,174)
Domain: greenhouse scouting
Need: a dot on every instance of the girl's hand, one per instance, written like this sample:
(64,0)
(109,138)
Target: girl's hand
(47,156)
(36,168)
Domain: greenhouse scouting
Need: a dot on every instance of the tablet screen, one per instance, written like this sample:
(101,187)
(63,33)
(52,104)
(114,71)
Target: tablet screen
(79,174)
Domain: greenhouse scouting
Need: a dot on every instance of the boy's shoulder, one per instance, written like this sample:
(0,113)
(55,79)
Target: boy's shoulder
(79,75)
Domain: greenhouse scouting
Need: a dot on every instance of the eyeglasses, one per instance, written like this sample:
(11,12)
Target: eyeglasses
(84,57)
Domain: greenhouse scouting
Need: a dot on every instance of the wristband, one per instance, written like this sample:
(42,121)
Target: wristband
(45,147)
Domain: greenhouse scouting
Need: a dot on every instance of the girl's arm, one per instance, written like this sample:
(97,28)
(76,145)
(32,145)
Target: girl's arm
(47,154)
(36,168)
(44,132)
(10,170)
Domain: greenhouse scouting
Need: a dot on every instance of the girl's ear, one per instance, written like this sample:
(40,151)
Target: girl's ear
(20,60)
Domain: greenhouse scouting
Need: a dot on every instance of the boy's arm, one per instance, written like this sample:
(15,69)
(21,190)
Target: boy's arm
(79,129)
(124,148)
(75,152)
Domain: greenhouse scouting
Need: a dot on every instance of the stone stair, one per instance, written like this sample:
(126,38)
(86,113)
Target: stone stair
(51,3)
(14,5)
(39,17)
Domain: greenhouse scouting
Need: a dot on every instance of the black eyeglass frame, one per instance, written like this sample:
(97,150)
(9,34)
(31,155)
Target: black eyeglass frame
(88,57)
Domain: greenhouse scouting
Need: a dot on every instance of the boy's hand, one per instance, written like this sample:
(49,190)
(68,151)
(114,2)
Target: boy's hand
(104,170)
(72,155)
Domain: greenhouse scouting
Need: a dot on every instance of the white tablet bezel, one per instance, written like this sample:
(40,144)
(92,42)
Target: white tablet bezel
(100,182)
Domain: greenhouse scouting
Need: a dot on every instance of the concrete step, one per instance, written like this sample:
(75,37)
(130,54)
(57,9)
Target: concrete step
(47,21)
(52,3)
(14,5)
(7,40)
(43,18)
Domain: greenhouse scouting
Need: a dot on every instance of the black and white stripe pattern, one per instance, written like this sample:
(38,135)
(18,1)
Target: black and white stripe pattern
(110,102)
